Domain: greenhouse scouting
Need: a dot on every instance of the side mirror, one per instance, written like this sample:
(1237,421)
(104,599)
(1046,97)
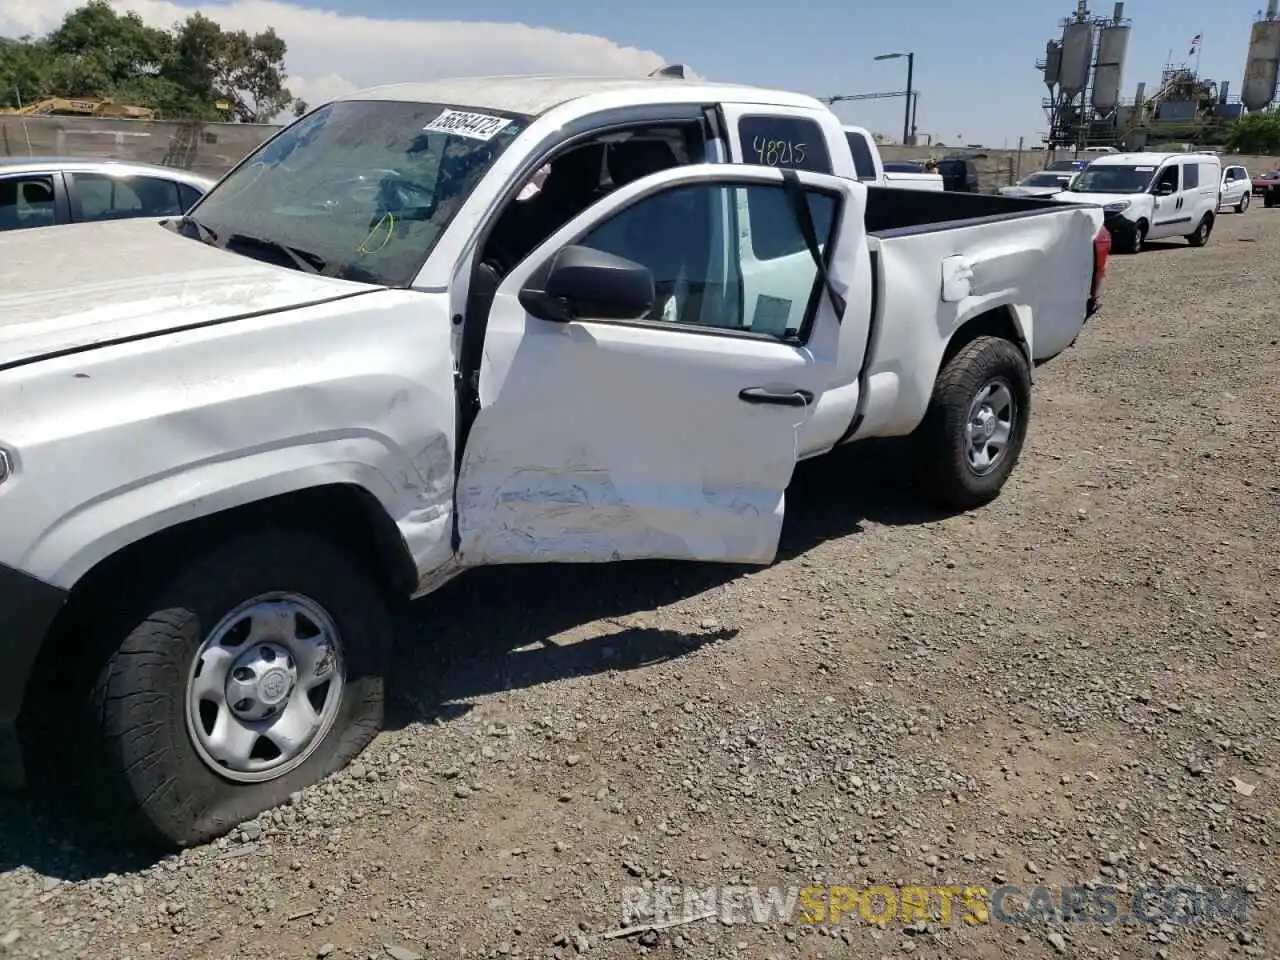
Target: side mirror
(1164,190)
(591,284)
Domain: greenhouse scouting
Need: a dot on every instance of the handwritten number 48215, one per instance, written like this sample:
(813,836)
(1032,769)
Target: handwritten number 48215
(778,153)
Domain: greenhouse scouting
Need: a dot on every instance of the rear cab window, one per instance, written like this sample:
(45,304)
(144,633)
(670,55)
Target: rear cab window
(794,143)
(863,160)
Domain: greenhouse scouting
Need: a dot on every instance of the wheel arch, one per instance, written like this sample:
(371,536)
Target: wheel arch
(1004,321)
(344,511)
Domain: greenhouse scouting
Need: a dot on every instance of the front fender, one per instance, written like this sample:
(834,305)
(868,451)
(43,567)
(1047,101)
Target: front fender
(90,533)
(115,444)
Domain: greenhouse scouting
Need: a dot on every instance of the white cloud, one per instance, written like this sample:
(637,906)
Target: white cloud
(332,53)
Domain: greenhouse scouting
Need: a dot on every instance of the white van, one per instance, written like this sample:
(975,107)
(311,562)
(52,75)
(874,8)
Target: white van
(1152,196)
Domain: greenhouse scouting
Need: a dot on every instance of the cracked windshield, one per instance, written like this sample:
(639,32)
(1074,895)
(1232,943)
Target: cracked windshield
(356,190)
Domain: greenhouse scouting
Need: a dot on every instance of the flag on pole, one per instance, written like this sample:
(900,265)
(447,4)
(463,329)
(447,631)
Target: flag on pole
(1195,44)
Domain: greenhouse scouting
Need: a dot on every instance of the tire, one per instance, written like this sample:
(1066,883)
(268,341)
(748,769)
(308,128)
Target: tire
(947,474)
(1269,199)
(162,780)
(1202,233)
(1134,240)
(1243,205)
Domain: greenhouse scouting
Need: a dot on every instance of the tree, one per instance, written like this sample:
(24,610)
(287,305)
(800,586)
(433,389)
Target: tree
(184,72)
(1257,133)
(213,64)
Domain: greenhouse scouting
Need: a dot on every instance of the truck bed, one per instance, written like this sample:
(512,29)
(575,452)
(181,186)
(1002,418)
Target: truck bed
(898,212)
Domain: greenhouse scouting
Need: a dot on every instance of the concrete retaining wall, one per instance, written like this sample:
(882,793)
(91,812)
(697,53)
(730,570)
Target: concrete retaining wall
(205,148)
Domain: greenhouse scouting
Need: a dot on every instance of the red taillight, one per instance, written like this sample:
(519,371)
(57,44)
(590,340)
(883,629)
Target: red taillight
(1101,252)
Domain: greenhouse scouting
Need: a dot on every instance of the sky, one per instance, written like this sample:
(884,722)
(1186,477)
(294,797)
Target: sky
(973,62)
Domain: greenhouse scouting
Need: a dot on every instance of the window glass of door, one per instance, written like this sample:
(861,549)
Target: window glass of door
(104,197)
(729,258)
(26,201)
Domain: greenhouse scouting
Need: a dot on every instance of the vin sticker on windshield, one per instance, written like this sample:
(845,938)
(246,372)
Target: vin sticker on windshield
(475,126)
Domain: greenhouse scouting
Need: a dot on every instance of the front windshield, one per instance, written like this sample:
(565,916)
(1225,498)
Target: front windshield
(1114,178)
(1044,180)
(359,189)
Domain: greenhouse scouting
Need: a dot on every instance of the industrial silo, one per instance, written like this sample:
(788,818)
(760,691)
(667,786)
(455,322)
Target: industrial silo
(1113,43)
(1263,67)
(1052,63)
(1077,56)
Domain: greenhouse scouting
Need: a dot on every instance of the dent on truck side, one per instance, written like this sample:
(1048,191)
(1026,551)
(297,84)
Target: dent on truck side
(119,443)
(1014,276)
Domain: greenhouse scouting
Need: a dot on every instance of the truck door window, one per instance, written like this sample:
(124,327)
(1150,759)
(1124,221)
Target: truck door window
(1190,176)
(792,142)
(702,275)
(576,179)
(26,201)
(1168,178)
(863,162)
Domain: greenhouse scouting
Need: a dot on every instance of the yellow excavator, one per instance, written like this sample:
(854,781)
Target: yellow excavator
(80,106)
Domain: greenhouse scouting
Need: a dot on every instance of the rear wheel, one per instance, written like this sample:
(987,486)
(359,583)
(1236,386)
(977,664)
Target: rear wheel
(1243,205)
(1201,235)
(973,432)
(247,675)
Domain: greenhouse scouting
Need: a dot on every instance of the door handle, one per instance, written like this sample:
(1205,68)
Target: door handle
(790,398)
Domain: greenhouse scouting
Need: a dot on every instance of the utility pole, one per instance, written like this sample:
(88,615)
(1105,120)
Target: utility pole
(908,118)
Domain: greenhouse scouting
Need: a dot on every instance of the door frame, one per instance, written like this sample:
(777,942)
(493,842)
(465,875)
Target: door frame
(470,328)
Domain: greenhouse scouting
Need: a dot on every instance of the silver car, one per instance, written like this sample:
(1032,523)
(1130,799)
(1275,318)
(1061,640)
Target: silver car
(1043,184)
(49,191)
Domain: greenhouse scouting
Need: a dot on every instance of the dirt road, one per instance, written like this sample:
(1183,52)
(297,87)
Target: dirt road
(1076,685)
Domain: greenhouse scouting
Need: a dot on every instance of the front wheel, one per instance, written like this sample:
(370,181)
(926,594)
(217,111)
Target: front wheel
(1269,199)
(253,672)
(973,432)
(1132,240)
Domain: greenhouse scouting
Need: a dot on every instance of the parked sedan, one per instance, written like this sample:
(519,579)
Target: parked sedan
(1267,186)
(1043,184)
(50,191)
(1067,166)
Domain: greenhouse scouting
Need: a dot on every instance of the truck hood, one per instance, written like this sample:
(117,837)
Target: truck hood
(73,287)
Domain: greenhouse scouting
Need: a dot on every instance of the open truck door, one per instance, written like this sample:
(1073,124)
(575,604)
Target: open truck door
(641,391)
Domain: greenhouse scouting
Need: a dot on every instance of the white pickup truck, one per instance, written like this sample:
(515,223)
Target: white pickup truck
(230,442)
(871,169)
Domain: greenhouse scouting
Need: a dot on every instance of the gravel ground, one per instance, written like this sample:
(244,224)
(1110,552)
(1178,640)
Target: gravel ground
(1075,685)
